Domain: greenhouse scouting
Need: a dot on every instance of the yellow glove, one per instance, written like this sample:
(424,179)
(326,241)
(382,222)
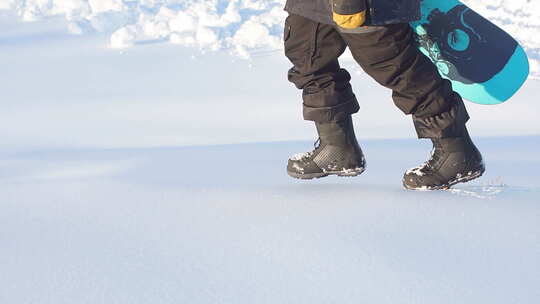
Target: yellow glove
(349,14)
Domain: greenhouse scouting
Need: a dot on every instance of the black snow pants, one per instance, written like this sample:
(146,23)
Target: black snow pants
(389,55)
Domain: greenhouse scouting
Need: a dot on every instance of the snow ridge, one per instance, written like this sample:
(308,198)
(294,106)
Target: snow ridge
(243,27)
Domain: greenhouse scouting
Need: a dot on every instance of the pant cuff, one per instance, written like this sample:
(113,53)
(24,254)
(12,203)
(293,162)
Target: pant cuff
(335,113)
(443,125)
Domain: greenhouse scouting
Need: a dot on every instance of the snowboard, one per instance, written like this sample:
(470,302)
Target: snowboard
(483,62)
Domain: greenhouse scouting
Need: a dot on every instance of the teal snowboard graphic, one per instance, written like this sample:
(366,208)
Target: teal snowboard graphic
(485,64)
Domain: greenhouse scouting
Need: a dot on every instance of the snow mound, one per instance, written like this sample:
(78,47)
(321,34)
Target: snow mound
(240,26)
(243,27)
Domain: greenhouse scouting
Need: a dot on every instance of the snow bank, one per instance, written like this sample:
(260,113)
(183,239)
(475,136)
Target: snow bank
(240,26)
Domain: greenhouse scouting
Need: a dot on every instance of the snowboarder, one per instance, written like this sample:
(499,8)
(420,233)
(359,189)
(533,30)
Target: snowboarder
(381,40)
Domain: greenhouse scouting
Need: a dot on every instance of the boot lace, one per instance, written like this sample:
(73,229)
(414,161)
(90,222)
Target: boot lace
(431,164)
(435,157)
(317,143)
(305,156)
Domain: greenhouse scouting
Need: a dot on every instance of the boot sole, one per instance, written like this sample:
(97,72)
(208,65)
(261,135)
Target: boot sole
(347,173)
(447,186)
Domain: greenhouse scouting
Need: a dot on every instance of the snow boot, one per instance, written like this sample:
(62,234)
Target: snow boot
(337,153)
(453,160)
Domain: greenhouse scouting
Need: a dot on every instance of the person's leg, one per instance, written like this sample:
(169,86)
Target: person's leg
(389,54)
(313,49)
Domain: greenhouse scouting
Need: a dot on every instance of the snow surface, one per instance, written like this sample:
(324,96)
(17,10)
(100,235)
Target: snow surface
(244,27)
(225,224)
